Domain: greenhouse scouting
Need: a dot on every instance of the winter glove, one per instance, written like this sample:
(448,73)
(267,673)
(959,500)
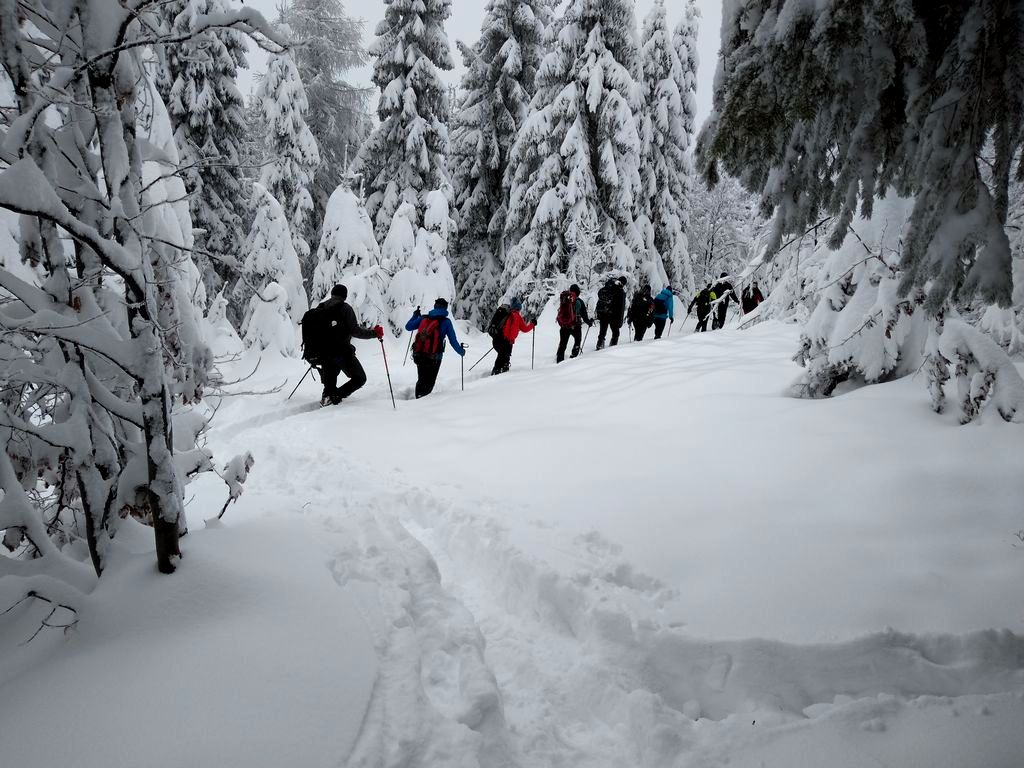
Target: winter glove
(378,331)
(416,312)
(462,349)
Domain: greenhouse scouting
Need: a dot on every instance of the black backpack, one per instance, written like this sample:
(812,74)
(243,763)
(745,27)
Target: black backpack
(316,335)
(605,300)
(660,307)
(428,337)
(640,309)
(496,327)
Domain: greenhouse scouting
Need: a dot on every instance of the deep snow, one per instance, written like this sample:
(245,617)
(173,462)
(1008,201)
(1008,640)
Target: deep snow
(649,556)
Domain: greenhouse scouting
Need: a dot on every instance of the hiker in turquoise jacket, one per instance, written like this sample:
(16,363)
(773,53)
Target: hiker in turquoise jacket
(664,311)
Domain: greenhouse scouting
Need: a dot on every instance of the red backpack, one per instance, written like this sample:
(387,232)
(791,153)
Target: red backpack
(429,340)
(566,316)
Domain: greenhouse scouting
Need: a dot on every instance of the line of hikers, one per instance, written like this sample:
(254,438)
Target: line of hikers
(328,329)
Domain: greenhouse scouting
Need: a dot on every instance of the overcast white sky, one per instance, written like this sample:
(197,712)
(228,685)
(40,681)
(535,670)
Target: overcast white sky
(464,25)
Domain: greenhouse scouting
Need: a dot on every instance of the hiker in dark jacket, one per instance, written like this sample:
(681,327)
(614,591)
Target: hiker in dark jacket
(641,312)
(575,328)
(702,301)
(344,328)
(428,349)
(510,329)
(723,292)
(752,298)
(664,311)
(611,306)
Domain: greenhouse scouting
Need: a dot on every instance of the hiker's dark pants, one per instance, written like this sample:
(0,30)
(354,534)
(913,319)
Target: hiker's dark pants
(603,329)
(504,359)
(640,330)
(659,326)
(348,364)
(719,321)
(576,332)
(427,368)
(702,322)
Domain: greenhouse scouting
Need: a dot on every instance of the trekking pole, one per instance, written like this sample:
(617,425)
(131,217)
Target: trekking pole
(462,360)
(533,345)
(409,345)
(481,359)
(388,372)
(671,322)
(407,348)
(300,382)
(584,344)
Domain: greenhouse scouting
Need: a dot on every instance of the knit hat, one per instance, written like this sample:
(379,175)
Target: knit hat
(516,304)
(339,290)
(441,304)
(575,289)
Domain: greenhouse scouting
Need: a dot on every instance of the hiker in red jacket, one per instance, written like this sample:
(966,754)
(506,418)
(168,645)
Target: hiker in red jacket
(572,313)
(514,325)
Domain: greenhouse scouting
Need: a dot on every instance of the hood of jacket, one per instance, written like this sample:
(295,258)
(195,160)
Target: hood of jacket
(437,312)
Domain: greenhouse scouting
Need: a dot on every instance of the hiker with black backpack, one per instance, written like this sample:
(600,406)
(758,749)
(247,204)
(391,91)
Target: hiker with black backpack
(327,333)
(641,312)
(611,306)
(505,326)
(664,311)
(702,301)
(428,348)
(723,291)
(572,313)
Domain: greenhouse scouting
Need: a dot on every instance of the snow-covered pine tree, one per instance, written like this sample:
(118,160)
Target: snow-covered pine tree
(269,327)
(349,254)
(406,156)
(327,46)
(433,238)
(666,128)
(198,82)
(292,152)
(922,89)
(576,161)
(498,85)
(100,349)
(270,258)
(407,266)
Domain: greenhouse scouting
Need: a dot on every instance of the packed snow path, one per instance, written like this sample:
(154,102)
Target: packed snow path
(569,563)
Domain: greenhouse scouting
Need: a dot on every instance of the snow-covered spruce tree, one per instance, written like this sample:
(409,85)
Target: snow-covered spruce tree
(860,328)
(292,155)
(921,89)
(270,258)
(406,156)
(407,266)
(666,129)
(327,44)
(576,161)
(198,82)
(498,85)
(99,352)
(349,254)
(269,327)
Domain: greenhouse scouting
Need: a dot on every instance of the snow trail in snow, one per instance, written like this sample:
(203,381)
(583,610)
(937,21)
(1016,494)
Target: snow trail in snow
(508,634)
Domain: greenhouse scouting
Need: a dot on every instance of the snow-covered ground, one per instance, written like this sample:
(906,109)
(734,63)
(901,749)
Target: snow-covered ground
(649,556)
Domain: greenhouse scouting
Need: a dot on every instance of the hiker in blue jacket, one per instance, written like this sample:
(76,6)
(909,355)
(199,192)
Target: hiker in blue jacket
(428,349)
(663,310)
